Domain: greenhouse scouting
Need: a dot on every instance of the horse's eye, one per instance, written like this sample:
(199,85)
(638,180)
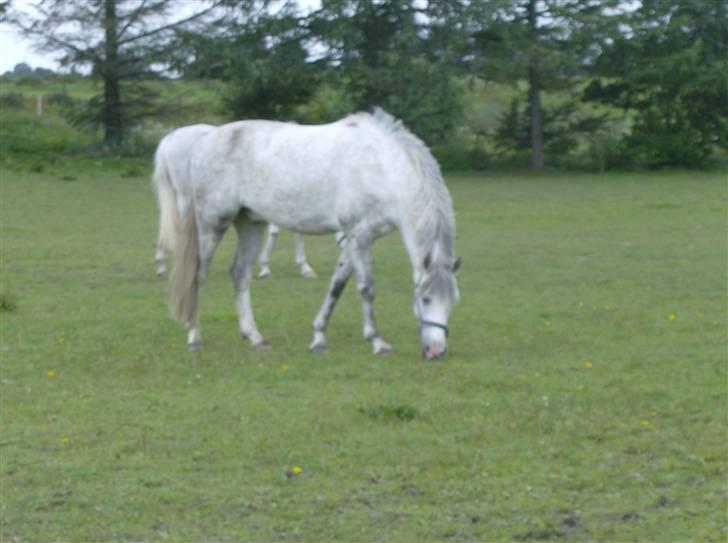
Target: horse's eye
(426,300)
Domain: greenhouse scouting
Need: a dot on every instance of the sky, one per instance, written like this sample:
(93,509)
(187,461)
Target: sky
(15,49)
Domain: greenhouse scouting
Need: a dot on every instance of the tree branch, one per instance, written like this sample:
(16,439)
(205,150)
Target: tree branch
(169,26)
(50,38)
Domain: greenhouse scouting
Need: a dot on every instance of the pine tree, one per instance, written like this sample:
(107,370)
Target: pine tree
(120,40)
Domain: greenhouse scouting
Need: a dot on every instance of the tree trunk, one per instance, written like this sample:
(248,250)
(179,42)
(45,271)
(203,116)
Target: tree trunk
(112,111)
(534,91)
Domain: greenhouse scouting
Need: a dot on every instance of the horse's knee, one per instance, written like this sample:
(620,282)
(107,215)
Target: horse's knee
(367,291)
(240,274)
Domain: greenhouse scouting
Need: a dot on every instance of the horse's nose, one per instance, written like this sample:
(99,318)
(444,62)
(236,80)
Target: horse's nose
(433,351)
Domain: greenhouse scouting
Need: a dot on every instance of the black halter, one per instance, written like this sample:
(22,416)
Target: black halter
(424,322)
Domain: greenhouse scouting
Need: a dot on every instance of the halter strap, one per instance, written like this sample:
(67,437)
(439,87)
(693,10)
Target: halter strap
(424,323)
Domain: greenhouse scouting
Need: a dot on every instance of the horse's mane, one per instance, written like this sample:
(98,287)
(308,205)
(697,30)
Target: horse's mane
(435,222)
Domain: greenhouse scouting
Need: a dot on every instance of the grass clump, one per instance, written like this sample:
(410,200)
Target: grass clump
(8,303)
(390,410)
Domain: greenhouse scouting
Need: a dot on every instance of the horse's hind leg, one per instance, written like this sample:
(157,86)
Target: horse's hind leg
(360,251)
(160,259)
(270,242)
(306,270)
(249,236)
(209,238)
(336,287)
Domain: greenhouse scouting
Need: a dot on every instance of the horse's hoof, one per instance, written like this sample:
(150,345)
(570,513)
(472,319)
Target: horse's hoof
(262,345)
(308,273)
(161,273)
(318,347)
(195,346)
(381,347)
(264,274)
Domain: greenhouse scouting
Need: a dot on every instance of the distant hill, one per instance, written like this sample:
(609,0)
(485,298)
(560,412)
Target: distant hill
(25,70)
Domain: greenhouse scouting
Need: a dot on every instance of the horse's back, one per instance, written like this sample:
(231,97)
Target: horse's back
(310,178)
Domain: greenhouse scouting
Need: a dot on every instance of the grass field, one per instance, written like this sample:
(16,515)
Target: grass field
(583,397)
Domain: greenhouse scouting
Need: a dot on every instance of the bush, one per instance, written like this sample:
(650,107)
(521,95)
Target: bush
(458,156)
(61,99)
(11,100)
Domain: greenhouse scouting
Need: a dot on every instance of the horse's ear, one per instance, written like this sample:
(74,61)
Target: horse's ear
(428,261)
(456,265)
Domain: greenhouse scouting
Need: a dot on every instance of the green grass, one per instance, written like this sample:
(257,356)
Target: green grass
(571,406)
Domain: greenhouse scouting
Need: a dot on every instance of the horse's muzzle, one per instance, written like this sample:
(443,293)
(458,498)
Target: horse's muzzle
(433,352)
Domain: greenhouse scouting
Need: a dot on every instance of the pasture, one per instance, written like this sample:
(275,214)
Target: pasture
(583,397)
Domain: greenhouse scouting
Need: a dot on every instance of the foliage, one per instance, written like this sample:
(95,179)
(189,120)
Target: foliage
(545,43)
(119,40)
(142,101)
(269,80)
(458,155)
(669,68)
(382,54)
(40,140)
(11,100)
(262,58)
(660,62)
(564,127)
(583,395)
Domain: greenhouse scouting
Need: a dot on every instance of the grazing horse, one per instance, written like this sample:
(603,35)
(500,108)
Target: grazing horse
(183,140)
(364,175)
(300,259)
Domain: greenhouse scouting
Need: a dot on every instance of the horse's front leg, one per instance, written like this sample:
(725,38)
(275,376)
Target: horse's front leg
(249,236)
(360,253)
(336,287)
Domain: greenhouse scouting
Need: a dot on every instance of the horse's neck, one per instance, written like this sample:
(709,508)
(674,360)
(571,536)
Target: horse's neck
(431,243)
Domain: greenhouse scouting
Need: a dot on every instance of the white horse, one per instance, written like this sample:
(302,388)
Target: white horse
(364,175)
(184,141)
(300,259)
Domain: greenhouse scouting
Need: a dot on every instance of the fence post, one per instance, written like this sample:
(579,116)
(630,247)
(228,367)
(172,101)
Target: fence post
(39,106)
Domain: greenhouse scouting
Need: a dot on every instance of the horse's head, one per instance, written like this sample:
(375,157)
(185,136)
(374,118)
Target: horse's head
(436,293)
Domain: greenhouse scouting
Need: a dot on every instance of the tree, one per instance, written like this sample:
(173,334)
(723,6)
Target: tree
(120,40)
(390,53)
(668,67)
(262,55)
(543,42)
(4,8)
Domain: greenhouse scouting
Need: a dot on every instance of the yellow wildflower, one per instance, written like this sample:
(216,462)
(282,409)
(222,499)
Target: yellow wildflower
(51,373)
(588,365)
(296,470)
(671,317)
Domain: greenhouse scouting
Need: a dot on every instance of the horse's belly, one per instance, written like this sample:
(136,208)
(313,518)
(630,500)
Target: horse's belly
(299,214)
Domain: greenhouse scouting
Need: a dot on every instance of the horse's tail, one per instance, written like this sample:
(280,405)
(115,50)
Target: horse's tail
(167,199)
(184,278)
